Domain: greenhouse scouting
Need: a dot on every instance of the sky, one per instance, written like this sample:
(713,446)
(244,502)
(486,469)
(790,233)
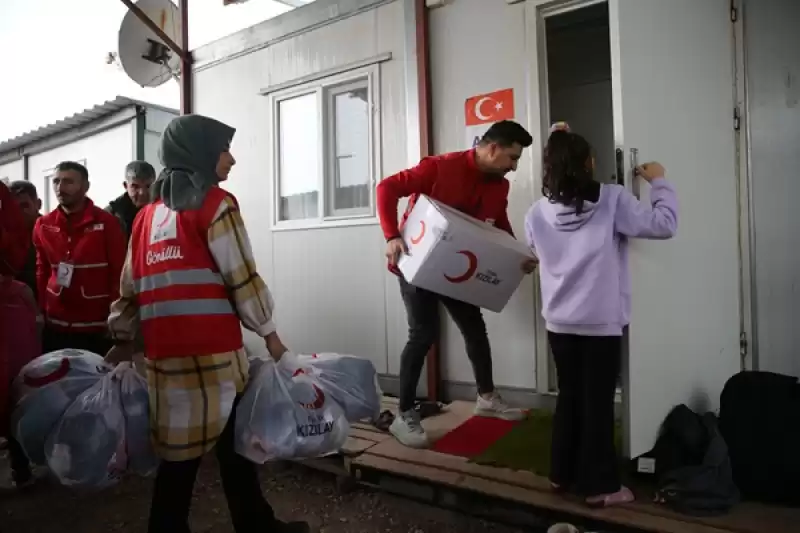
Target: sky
(53,64)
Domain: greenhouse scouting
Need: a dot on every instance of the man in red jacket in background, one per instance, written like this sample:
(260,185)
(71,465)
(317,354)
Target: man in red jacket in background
(80,250)
(474,183)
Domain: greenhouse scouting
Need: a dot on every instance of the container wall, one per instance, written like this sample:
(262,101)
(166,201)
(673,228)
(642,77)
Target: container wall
(12,171)
(477,47)
(772,47)
(329,282)
(104,154)
(156,122)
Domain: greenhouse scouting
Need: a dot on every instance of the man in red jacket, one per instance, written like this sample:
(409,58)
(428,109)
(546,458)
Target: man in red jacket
(474,183)
(80,250)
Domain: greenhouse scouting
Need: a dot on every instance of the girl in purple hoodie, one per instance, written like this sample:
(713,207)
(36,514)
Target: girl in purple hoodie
(579,232)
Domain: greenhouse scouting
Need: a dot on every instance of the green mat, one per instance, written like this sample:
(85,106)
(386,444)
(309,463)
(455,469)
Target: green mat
(527,446)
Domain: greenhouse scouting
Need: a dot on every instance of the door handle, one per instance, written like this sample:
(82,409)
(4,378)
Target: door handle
(634,164)
(620,166)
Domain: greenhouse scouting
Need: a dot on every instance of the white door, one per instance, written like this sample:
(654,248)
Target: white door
(673,84)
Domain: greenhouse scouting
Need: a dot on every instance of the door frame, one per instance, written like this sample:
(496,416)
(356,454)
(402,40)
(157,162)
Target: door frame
(536,13)
(747,239)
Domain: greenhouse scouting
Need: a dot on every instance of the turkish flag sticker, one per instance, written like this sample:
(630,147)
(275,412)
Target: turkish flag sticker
(490,107)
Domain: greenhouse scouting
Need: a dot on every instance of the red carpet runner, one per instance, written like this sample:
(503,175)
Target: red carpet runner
(473,437)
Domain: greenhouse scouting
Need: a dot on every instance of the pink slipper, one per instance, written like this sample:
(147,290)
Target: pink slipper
(621,497)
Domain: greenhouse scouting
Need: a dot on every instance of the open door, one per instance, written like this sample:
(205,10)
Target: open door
(672,77)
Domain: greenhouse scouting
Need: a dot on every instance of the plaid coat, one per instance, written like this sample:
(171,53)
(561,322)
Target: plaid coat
(191,398)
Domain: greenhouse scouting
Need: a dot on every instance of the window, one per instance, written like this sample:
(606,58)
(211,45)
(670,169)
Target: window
(325,157)
(299,160)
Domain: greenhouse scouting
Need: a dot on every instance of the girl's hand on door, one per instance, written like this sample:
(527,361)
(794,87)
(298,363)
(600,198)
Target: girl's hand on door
(650,171)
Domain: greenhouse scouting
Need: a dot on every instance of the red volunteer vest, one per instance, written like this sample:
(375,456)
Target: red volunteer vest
(184,306)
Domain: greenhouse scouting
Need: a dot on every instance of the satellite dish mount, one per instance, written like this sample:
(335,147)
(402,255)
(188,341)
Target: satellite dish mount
(148,49)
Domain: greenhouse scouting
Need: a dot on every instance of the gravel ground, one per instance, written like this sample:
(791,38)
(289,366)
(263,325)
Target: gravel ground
(295,492)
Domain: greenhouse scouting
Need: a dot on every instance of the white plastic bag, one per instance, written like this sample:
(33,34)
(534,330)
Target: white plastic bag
(284,414)
(104,433)
(44,389)
(135,399)
(351,381)
(87,447)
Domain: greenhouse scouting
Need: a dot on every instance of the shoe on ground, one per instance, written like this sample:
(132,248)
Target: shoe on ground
(407,429)
(294,527)
(24,479)
(563,528)
(621,497)
(495,407)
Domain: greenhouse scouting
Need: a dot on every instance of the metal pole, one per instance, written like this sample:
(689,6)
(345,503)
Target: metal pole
(434,377)
(186,60)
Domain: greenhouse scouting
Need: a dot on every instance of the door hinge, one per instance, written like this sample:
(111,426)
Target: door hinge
(743,346)
(737,119)
(734,11)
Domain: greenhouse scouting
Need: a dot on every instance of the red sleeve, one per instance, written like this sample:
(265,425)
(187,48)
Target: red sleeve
(417,180)
(504,224)
(14,238)
(43,268)
(117,249)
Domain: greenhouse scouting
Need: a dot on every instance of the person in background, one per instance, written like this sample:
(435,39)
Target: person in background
(80,250)
(14,241)
(31,206)
(579,232)
(474,183)
(139,176)
(14,245)
(188,282)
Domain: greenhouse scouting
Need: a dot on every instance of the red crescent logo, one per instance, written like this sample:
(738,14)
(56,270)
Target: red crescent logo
(418,238)
(164,221)
(52,377)
(473,266)
(319,396)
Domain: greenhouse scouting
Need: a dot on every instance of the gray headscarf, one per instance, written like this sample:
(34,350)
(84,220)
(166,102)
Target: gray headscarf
(190,149)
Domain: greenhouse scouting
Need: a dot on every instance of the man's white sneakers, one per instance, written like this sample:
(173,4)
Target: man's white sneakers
(407,429)
(407,426)
(495,407)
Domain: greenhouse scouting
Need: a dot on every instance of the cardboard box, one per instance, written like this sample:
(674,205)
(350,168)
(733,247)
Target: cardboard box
(458,256)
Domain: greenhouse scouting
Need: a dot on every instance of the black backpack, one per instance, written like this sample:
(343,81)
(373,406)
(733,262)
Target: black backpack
(759,418)
(690,465)
(700,487)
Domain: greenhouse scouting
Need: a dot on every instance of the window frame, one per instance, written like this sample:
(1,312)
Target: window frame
(326,90)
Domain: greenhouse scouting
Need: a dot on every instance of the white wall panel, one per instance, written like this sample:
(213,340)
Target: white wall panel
(106,154)
(478,46)
(13,170)
(329,284)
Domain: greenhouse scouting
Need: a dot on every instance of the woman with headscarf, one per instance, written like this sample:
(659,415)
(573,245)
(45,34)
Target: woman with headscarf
(188,281)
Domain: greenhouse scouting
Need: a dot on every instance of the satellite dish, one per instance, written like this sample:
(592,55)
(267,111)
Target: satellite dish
(145,58)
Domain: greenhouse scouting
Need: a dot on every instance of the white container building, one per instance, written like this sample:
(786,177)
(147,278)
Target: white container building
(103,138)
(327,101)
